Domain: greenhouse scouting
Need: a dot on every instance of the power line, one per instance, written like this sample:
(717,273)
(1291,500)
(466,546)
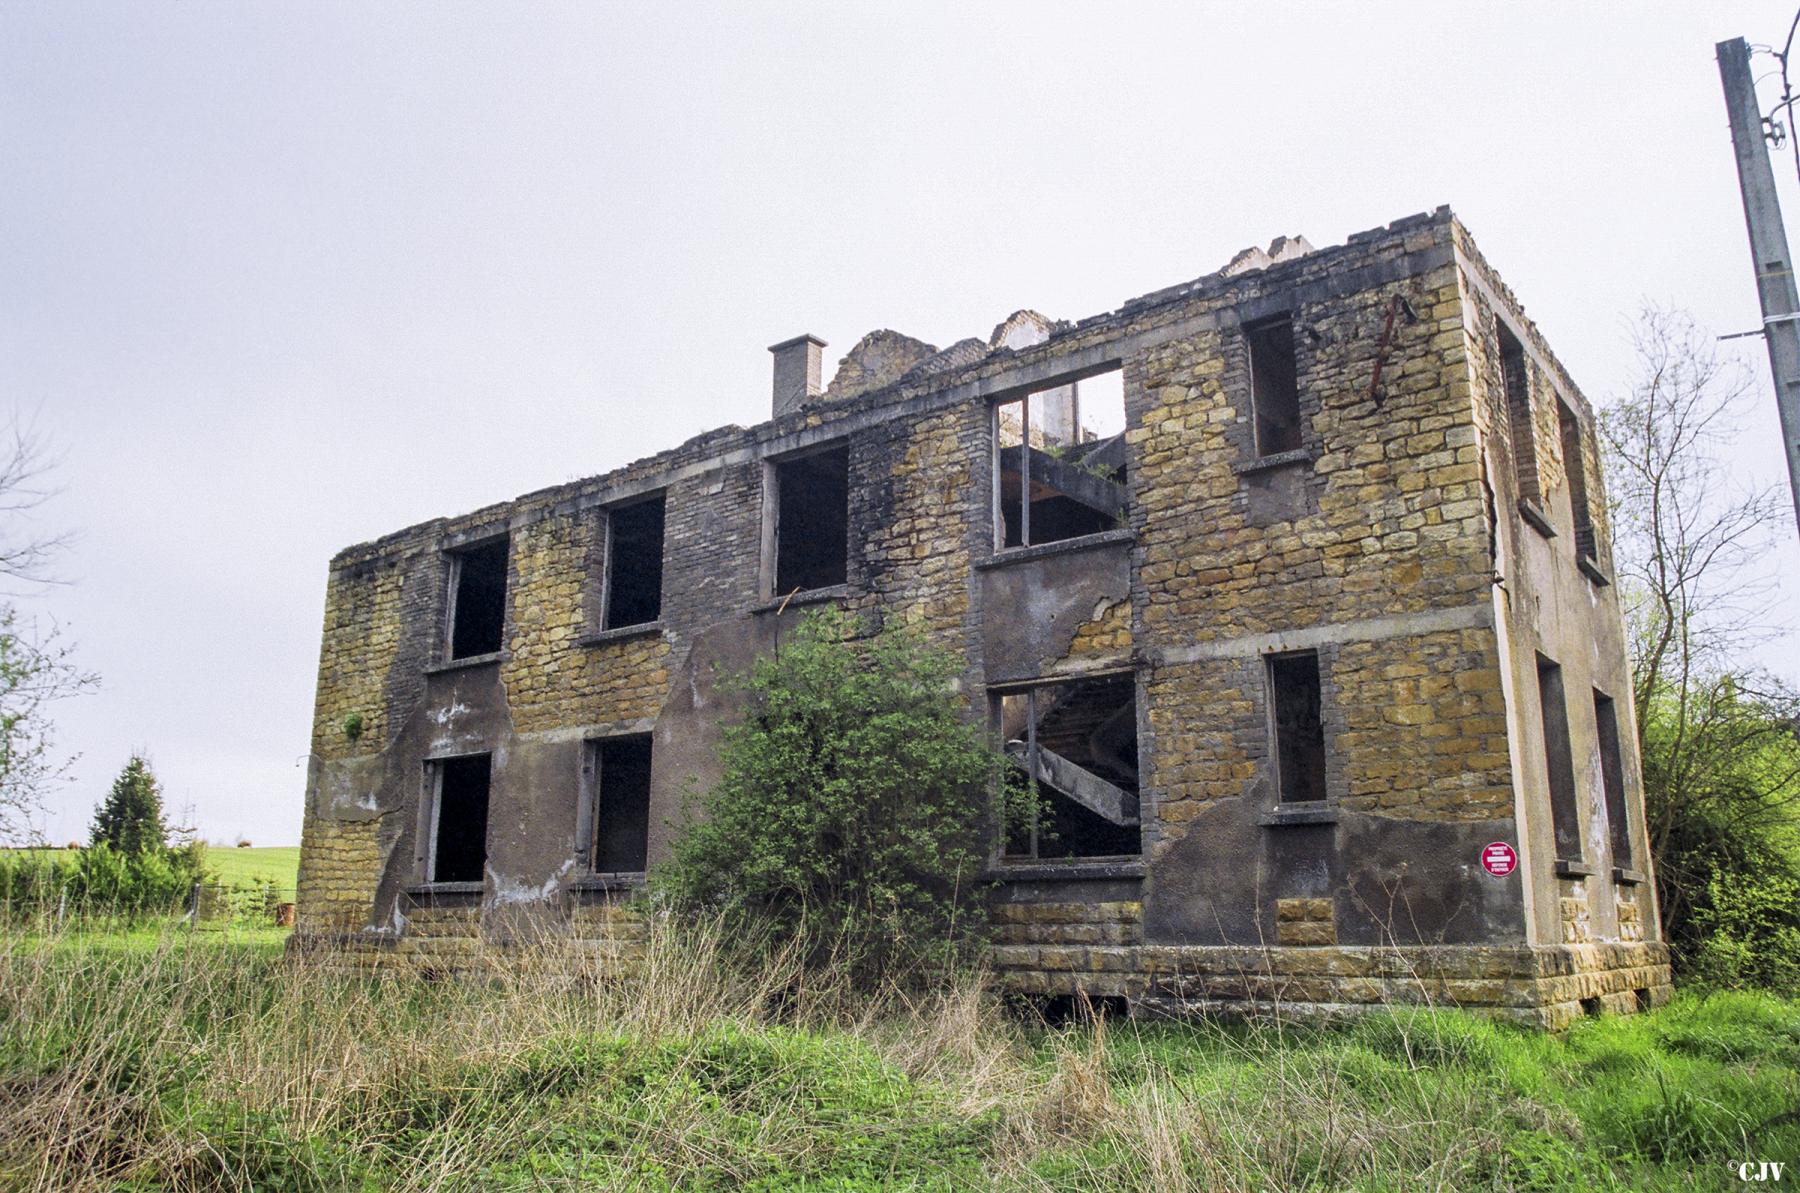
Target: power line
(1775,131)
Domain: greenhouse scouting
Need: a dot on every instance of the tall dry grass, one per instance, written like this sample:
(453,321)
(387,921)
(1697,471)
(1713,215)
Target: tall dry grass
(184,1061)
(118,1056)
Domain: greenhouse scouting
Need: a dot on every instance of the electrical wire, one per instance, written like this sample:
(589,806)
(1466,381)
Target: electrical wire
(1788,98)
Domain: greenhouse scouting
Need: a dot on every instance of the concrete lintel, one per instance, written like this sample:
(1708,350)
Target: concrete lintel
(562,735)
(1403,625)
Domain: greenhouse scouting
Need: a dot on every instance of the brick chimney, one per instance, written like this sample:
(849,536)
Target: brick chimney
(796,372)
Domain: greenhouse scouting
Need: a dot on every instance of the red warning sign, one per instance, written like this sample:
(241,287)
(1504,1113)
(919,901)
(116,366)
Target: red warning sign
(1499,859)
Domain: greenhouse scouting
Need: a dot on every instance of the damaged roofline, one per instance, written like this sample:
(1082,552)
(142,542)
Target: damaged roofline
(1005,373)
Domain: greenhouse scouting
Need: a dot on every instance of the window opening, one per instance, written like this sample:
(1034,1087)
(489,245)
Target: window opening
(1516,382)
(812,521)
(1575,467)
(1078,741)
(1061,457)
(478,606)
(621,831)
(459,822)
(634,563)
(1274,384)
(1294,694)
(1559,761)
(1612,776)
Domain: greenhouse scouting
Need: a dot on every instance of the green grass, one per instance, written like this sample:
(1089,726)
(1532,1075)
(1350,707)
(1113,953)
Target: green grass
(180,1060)
(279,864)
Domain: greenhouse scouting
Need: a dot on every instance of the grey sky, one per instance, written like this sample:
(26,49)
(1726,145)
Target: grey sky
(283,278)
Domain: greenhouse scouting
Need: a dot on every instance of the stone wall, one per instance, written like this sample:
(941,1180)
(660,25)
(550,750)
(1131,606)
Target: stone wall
(1392,544)
(1097,948)
(1553,604)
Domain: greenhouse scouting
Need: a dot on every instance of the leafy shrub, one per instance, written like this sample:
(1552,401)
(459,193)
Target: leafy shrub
(1728,842)
(1749,932)
(851,818)
(99,880)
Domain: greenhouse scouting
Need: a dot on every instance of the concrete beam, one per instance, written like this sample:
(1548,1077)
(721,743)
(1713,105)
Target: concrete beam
(1071,480)
(1103,799)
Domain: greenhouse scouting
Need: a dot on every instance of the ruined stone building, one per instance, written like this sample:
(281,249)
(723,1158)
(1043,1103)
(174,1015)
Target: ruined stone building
(1290,584)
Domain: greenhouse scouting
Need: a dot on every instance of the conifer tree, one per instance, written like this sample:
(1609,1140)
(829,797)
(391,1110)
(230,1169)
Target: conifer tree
(131,818)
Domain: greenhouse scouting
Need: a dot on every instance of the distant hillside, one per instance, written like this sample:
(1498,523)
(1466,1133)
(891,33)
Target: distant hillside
(279,864)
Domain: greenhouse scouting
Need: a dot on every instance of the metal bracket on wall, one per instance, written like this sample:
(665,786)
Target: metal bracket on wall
(1396,304)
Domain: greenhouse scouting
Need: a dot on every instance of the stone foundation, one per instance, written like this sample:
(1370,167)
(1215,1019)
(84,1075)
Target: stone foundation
(1098,950)
(449,939)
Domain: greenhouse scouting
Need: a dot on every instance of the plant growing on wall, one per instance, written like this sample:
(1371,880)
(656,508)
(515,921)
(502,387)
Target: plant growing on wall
(851,818)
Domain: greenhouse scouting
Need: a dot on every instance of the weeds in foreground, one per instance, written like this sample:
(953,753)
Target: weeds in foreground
(196,1061)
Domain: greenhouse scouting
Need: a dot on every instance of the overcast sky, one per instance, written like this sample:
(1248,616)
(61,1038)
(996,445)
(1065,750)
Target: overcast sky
(281,278)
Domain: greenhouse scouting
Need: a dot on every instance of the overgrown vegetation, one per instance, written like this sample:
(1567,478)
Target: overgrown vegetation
(196,1061)
(99,882)
(130,872)
(1719,735)
(132,875)
(101,887)
(852,811)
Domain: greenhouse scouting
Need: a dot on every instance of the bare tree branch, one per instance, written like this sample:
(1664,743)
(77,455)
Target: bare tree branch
(36,663)
(1717,735)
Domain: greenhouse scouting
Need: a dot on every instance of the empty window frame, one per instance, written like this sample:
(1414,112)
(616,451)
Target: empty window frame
(457,830)
(1274,384)
(1060,461)
(1612,777)
(1295,713)
(1072,788)
(616,829)
(1515,381)
(1575,468)
(1559,761)
(478,598)
(812,520)
(634,564)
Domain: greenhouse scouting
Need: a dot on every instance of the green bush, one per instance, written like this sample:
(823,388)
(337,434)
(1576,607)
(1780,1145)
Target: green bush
(1748,927)
(851,818)
(1728,842)
(99,880)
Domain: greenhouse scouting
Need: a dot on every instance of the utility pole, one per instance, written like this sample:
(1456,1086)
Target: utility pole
(1768,247)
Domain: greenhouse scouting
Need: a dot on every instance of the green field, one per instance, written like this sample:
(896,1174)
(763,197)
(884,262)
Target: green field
(279,864)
